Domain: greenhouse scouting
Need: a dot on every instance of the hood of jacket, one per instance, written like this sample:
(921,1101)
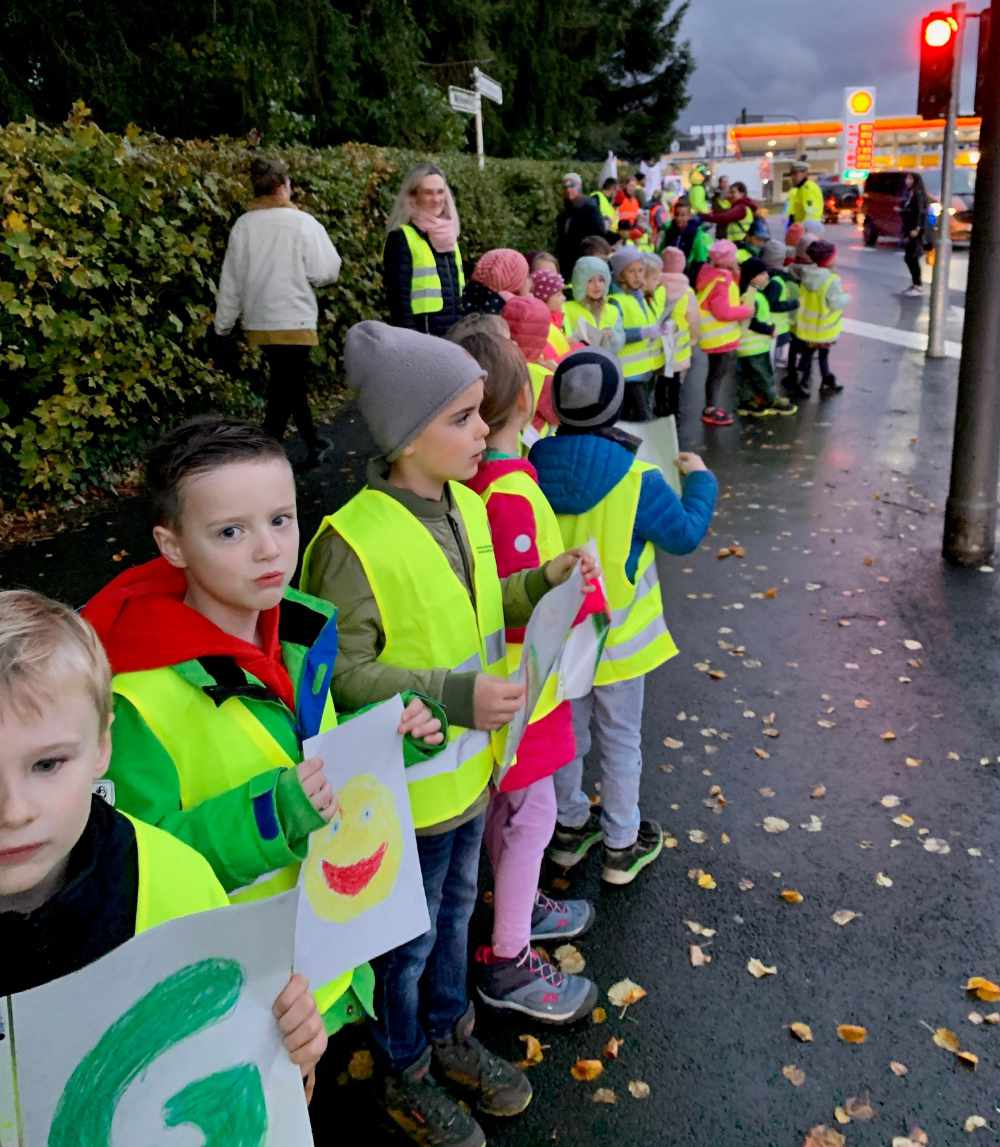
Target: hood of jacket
(576,471)
(813,277)
(714,275)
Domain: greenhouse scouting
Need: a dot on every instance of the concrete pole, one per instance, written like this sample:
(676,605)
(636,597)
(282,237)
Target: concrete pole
(479,131)
(942,244)
(970,522)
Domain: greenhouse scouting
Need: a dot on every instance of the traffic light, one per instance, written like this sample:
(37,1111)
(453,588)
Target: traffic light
(982,65)
(938,33)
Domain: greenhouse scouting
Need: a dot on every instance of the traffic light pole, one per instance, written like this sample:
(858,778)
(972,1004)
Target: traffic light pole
(971,510)
(942,239)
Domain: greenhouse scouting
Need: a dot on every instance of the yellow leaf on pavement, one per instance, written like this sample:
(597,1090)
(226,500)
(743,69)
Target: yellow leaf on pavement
(860,1109)
(888,735)
(882,880)
(795,1075)
(823,1136)
(984,989)
(904,820)
(775,824)
(851,1033)
(844,916)
(532,1051)
(604,1095)
(598,1015)
(758,970)
(697,957)
(973,1123)
(706,880)
(570,959)
(898,1068)
(841,1115)
(947,1039)
(967,1059)
(612,1047)
(790,896)
(625,993)
(586,1069)
(362,1066)
(801,1031)
(638,1089)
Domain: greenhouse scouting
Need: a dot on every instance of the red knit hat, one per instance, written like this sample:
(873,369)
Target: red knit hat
(503,270)
(528,319)
(794,234)
(545,284)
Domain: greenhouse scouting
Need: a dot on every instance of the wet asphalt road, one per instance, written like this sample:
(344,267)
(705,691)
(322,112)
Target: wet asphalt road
(839,513)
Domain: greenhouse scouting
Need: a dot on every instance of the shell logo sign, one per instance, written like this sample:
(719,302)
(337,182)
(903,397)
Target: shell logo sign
(860,102)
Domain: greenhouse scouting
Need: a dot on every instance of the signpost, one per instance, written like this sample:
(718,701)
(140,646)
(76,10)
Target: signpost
(858,143)
(471,103)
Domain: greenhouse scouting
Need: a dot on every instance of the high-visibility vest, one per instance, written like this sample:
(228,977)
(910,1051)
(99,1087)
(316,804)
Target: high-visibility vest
(549,544)
(658,305)
(574,313)
(606,208)
(538,374)
(782,319)
(426,297)
(742,254)
(644,243)
(806,202)
(713,332)
(753,342)
(638,640)
(558,340)
(174,880)
(815,321)
(698,199)
(640,357)
(430,622)
(739,230)
(682,332)
(628,209)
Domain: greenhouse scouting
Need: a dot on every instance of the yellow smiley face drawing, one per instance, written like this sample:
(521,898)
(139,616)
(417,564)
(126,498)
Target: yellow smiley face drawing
(353,863)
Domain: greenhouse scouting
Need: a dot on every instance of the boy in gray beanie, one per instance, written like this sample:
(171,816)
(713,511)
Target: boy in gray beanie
(409,563)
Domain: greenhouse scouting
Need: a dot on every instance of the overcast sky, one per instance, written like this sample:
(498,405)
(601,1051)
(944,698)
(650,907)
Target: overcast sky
(797,56)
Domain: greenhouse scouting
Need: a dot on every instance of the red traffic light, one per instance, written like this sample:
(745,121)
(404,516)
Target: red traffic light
(939,30)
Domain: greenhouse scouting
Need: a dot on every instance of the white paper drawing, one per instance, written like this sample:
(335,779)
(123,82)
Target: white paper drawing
(658,445)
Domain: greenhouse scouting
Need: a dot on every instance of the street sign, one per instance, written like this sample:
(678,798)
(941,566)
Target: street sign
(487,87)
(857,147)
(462,100)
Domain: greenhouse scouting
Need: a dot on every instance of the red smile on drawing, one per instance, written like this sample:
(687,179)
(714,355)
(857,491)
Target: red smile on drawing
(350,879)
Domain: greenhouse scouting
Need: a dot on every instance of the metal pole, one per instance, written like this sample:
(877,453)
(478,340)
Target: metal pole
(970,521)
(479,131)
(942,242)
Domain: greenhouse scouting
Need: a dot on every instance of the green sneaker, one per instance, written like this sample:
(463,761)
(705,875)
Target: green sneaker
(623,865)
(569,846)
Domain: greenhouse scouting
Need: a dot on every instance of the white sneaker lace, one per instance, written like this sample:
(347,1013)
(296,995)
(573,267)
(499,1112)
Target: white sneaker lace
(539,967)
(548,904)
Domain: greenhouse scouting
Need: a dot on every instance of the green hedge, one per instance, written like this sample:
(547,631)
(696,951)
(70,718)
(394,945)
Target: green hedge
(110,247)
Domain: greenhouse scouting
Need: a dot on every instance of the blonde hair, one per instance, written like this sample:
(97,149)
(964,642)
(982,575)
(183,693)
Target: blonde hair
(402,208)
(43,646)
(476,324)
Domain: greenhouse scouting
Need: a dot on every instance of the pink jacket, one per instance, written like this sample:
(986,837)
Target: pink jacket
(717,302)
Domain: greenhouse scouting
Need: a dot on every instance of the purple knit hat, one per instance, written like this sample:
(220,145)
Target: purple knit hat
(545,284)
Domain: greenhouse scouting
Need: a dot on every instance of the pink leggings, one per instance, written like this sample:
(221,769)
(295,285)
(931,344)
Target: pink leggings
(519,825)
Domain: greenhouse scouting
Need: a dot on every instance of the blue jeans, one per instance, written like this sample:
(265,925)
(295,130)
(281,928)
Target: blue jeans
(420,988)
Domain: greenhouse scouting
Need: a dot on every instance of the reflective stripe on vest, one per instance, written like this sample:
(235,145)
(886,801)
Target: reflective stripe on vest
(753,342)
(637,358)
(426,296)
(639,640)
(574,313)
(174,880)
(682,329)
(815,322)
(715,333)
(429,622)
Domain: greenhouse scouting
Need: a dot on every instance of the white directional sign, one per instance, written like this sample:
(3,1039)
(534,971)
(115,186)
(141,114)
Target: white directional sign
(462,100)
(487,87)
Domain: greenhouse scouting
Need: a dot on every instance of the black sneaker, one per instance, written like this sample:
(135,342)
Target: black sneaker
(830,385)
(623,865)
(569,846)
(427,1115)
(497,1086)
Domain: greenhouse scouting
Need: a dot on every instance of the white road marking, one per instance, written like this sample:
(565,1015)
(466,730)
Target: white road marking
(912,340)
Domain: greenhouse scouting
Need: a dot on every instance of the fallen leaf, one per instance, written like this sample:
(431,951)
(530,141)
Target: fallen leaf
(993,1018)
(791,896)
(771,592)
(586,1069)
(984,990)
(598,1015)
(670,841)
(604,1095)
(775,824)
(612,1047)
(913,762)
(795,1075)
(700,929)
(912,645)
(758,970)
(898,1068)
(761,754)
(673,743)
(625,993)
(973,1123)
(862,703)
(532,1051)
(976,1018)
(818,792)
(825,724)
(942,848)
(841,1115)
(717,674)
(967,1059)
(850,1033)
(697,957)
(904,820)
(946,1038)
(638,1089)
(882,880)
(697,836)
(823,1136)
(703,879)
(570,959)
(813,824)
(860,1109)
(890,800)
(361,1066)
(801,1031)
(844,916)
(888,735)
(745,885)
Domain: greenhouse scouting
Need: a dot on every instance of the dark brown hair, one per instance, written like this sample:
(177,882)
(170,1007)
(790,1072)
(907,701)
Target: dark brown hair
(596,245)
(267,175)
(506,374)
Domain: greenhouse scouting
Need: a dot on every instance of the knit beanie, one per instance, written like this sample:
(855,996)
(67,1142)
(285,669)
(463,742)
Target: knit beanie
(774,254)
(503,270)
(722,253)
(584,269)
(760,228)
(749,271)
(529,320)
(822,252)
(588,389)
(794,234)
(403,380)
(624,258)
(545,284)
(673,259)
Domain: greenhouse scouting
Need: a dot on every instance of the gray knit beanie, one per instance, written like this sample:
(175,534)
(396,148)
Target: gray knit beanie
(403,380)
(588,389)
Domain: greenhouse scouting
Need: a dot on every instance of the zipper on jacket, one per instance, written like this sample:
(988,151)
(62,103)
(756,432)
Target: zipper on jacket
(457,534)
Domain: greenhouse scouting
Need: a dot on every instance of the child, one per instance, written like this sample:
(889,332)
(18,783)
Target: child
(549,287)
(782,294)
(595,246)
(820,317)
(753,243)
(589,319)
(597,487)
(542,261)
(681,305)
(721,313)
(221,671)
(498,276)
(478,324)
(410,563)
(77,878)
(756,378)
(642,349)
(528,320)
(522,813)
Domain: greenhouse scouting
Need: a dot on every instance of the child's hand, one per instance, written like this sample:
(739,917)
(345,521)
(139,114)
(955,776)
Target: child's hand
(558,570)
(420,723)
(300,1024)
(687,463)
(317,788)
(495,701)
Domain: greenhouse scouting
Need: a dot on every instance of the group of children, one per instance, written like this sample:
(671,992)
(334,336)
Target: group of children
(192,680)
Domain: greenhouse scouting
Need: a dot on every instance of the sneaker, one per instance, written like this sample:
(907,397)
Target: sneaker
(498,1086)
(569,846)
(755,410)
(560,919)
(914,291)
(529,984)
(623,865)
(794,387)
(716,416)
(425,1113)
(830,385)
(783,406)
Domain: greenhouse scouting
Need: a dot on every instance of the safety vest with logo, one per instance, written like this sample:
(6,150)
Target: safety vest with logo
(638,640)
(574,313)
(174,880)
(208,727)
(682,332)
(426,297)
(713,332)
(753,342)
(640,357)
(606,208)
(430,621)
(815,321)
(739,230)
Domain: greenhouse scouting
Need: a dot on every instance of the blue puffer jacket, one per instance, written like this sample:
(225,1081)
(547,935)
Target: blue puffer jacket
(575,471)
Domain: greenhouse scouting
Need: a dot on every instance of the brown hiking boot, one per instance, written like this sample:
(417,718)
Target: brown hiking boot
(427,1115)
(497,1086)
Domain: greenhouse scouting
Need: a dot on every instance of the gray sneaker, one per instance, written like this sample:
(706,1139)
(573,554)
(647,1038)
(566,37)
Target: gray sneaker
(494,1085)
(623,865)
(569,846)
(560,919)
(427,1115)
(529,985)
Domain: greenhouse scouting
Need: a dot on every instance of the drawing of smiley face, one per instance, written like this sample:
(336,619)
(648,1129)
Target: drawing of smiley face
(353,863)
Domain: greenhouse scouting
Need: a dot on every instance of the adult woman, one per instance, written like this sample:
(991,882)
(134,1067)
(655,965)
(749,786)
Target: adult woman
(422,263)
(913,214)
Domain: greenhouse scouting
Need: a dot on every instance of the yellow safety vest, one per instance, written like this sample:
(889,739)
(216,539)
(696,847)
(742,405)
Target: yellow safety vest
(682,335)
(426,297)
(430,622)
(658,305)
(174,880)
(573,312)
(637,358)
(738,231)
(806,202)
(538,374)
(815,322)
(606,208)
(638,640)
(715,333)
(753,342)
(558,340)
(782,319)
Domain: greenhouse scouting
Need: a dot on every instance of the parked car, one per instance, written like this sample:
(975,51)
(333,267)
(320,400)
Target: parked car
(839,197)
(884,192)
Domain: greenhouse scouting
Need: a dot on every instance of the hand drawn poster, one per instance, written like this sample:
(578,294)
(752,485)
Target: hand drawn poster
(658,446)
(168,1041)
(362,891)
(8,1110)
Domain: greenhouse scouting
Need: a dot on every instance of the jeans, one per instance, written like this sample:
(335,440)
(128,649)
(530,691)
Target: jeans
(913,252)
(420,988)
(288,371)
(615,714)
(718,367)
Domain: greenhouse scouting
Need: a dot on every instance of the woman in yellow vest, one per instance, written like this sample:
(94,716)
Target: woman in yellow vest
(642,352)
(589,319)
(598,489)
(819,319)
(422,270)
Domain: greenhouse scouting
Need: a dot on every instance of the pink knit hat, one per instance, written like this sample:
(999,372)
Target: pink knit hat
(723,254)
(545,284)
(503,270)
(673,259)
(528,319)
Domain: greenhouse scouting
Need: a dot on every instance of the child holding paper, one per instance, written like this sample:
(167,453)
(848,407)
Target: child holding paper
(598,489)
(409,561)
(221,670)
(588,318)
(77,878)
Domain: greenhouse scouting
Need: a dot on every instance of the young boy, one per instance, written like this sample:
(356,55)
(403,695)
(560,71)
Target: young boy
(756,397)
(77,878)
(221,671)
(598,489)
(820,318)
(410,563)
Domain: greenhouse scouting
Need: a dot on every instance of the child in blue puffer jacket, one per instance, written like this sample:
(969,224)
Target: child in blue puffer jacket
(599,489)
